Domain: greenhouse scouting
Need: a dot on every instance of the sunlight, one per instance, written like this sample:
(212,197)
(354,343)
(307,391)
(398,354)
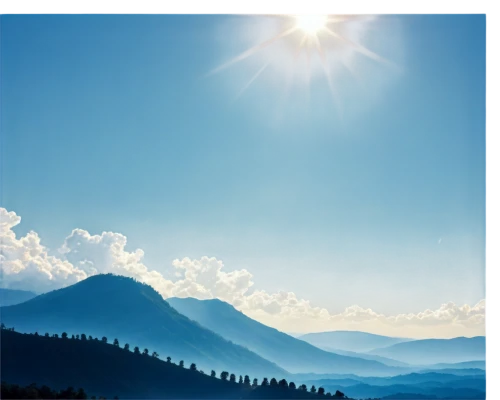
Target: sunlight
(311,24)
(300,46)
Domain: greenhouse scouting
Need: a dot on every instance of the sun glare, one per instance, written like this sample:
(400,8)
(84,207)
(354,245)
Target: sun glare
(310,39)
(311,24)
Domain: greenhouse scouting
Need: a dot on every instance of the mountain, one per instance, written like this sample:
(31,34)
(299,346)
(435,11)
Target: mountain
(119,307)
(356,341)
(9,297)
(107,370)
(430,384)
(433,351)
(293,354)
(461,365)
(456,371)
(384,360)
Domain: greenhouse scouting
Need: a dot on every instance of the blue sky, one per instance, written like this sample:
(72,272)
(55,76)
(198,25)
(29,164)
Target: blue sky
(110,123)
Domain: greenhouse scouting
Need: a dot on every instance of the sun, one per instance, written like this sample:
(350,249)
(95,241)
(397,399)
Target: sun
(311,24)
(312,40)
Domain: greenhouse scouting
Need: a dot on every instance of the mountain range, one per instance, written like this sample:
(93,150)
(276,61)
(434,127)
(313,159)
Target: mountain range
(359,342)
(434,351)
(119,307)
(293,354)
(215,336)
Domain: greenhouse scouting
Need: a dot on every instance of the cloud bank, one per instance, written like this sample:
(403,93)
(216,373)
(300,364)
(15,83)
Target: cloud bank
(26,264)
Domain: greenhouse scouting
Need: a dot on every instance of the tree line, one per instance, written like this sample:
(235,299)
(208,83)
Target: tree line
(245,381)
(9,391)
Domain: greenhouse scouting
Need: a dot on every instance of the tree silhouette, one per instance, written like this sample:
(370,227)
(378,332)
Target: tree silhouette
(313,389)
(240,381)
(329,394)
(283,383)
(338,393)
(104,339)
(265,382)
(126,347)
(3,325)
(46,334)
(224,375)
(291,385)
(255,383)
(201,372)
(181,363)
(232,378)
(73,337)
(169,360)
(192,367)
(303,387)
(64,335)
(77,337)
(116,343)
(56,335)
(136,350)
(145,352)
(246,381)
(213,374)
(91,338)
(321,391)
(83,336)
(274,382)
(155,354)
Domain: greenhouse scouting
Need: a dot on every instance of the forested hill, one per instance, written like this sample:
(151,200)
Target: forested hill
(116,306)
(110,370)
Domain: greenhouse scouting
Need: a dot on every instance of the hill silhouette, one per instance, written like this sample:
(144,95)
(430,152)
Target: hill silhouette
(110,370)
(427,351)
(294,355)
(116,306)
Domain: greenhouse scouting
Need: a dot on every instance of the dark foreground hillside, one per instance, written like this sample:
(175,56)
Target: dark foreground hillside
(119,307)
(109,370)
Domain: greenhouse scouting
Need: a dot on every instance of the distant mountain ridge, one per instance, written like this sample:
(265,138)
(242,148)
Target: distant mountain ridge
(119,307)
(9,297)
(294,355)
(434,351)
(359,342)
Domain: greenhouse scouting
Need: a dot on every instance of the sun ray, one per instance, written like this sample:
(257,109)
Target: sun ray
(247,85)
(326,70)
(359,48)
(253,50)
(292,69)
(324,62)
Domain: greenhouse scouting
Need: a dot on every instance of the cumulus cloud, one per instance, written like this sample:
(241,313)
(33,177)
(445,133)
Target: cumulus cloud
(27,264)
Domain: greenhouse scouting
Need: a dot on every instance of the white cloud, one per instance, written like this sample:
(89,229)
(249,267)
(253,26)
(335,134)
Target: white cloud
(26,264)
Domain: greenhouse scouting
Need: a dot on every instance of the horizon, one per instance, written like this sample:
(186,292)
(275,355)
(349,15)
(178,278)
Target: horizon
(341,192)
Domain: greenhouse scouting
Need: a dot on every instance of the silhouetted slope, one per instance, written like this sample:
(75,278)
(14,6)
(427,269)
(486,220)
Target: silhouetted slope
(429,351)
(9,297)
(119,307)
(293,354)
(109,370)
(350,340)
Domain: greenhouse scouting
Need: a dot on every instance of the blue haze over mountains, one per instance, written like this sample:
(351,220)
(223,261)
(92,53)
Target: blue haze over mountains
(214,335)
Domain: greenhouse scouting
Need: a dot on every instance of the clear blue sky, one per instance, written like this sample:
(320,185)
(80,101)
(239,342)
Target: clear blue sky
(109,123)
